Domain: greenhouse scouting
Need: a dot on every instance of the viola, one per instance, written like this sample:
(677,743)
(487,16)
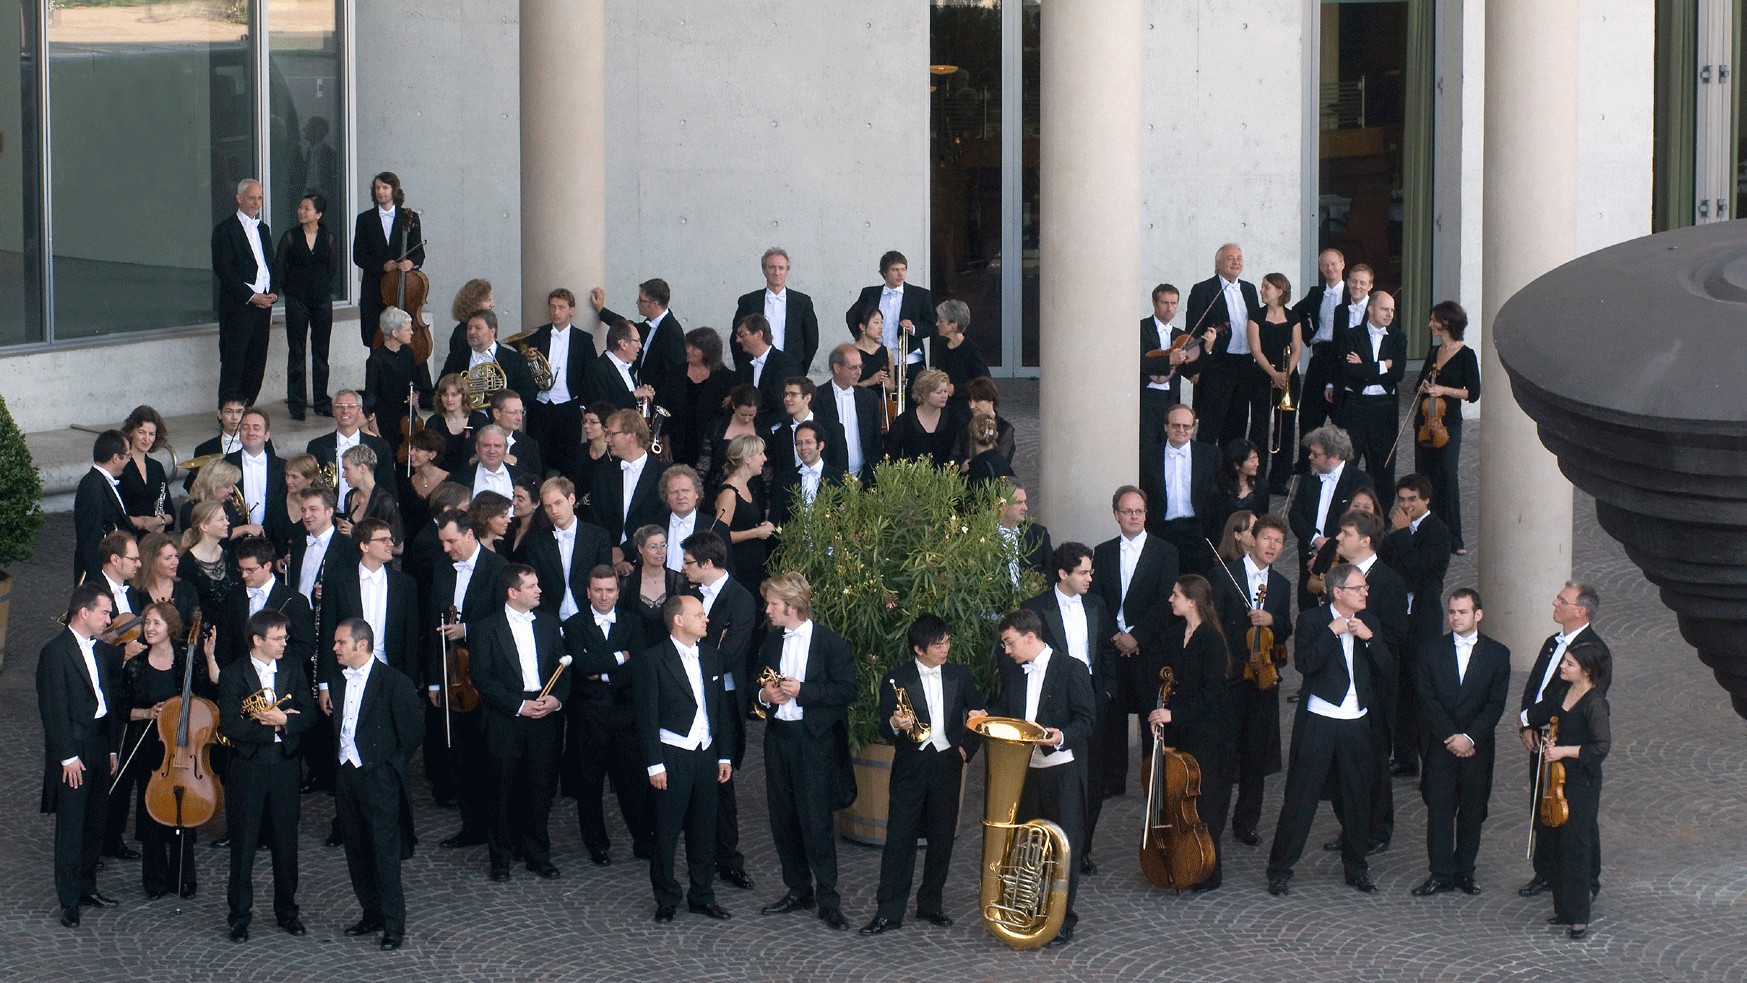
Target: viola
(183,792)
(1262,667)
(1552,808)
(408,290)
(1176,850)
(1432,432)
(458,690)
(1189,344)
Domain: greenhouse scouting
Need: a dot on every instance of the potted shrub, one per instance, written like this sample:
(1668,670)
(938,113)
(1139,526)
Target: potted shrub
(20,510)
(918,541)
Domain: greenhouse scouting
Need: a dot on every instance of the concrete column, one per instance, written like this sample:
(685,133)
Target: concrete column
(1530,227)
(564,170)
(1089,261)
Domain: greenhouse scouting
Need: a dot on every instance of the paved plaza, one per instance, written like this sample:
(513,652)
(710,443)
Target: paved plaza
(1671,907)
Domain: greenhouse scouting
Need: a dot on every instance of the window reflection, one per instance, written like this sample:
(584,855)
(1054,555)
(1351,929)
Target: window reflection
(306,106)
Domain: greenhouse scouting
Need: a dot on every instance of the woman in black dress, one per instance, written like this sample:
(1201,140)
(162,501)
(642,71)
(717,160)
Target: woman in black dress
(742,421)
(207,563)
(305,264)
(1202,717)
(160,557)
(145,492)
(216,482)
(650,583)
(987,464)
(390,374)
(1276,344)
(529,519)
(595,456)
(147,680)
(366,500)
(281,528)
(451,422)
(954,353)
(930,427)
(1239,480)
(707,384)
(491,521)
(1452,372)
(1585,735)
(984,399)
(740,506)
(426,454)
(876,358)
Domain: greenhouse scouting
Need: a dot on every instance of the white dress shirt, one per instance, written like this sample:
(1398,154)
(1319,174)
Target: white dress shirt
(1377,335)
(1240,317)
(486,479)
(522,630)
(1325,317)
(1325,497)
(566,539)
(476,359)
(267,670)
(935,696)
(1356,313)
(1561,642)
(342,444)
(356,680)
(793,424)
(88,652)
(118,592)
(559,360)
(315,553)
(1464,652)
(810,475)
(464,579)
(1074,625)
(1035,671)
(386,217)
(1179,466)
(604,620)
(846,415)
(891,302)
(114,485)
(1254,577)
(776,311)
(255,485)
(258,595)
(679,528)
(758,366)
(624,370)
(1349,708)
(1128,556)
(252,232)
(373,594)
(654,324)
(797,642)
(699,736)
(1163,329)
(631,472)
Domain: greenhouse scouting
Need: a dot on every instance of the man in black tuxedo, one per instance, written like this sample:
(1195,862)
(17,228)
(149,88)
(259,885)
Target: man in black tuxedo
(794,327)
(661,361)
(468,583)
(241,249)
(508,410)
(1322,331)
(812,473)
(681,491)
(119,554)
(732,615)
(1133,573)
(347,434)
(1322,501)
(1371,368)
(763,367)
(1464,680)
(613,378)
(781,450)
(264,591)
(230,418)
(264,767)
(1353,312)
(680,711)
(1078,624)
(79,702)
(926,771)
(908,311)
(1232,394)
(377,727)
(601,719)
(97,508)
(627,498)
(1574,607)
(1031,546)
(489,471)
(482,347)
(263,480)
(1418,548)
(320,550)
(854,410)
(1053,692)
(360,586)
(1340,652)
(563,555)
(1234,600)
(515,652)
(379,239)
(1178,477)
(806,745)
(555,416)
(1158,393)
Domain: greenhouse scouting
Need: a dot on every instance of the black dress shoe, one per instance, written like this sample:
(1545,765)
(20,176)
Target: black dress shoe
(1433,885)
(1247,837)
(1577,934)
(123,852)
(1333,845)
(1361,883)
(1467,885)
(1558,920)
(293,926)
(500,874)
(391,942)
(335,839)
(642,853)
(711,910)
(1205,886)
(365,926)
(935,918)
(1062,938)
(664,913)
(296,415)
(834,918)
(221,843)
(736,877)
(462,839)
(1376,847)
(788,903)
(1534,887)
(1277,887)
(190,890)
(879,925)
(239,933)
(155,895)
(1088,866)
(91,899)
(70,917)
(601,859)
(1401,769)
(546,870)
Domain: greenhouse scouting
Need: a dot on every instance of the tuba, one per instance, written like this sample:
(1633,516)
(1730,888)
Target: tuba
(1025,865)
(537,363)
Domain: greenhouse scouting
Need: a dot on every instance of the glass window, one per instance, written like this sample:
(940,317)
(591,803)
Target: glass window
(151,109)
(17,251)
(306,107)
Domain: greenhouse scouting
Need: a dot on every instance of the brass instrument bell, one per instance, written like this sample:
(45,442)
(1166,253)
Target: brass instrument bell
(920,732)
(766,678)
(482,382)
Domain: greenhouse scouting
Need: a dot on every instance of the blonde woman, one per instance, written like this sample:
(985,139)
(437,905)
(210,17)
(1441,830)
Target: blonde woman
(740,506)
(207,562)
(366,500)
(216,482)
(928,429)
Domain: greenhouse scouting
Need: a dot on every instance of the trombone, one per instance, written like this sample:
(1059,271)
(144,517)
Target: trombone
(1284,404)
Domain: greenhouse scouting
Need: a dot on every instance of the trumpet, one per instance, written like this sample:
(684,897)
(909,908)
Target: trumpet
(260,701)
(768,677)
(920,732)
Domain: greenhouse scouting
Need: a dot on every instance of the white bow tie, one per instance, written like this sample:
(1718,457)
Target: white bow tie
(1075,601)
(814,471)
(1031,667)
(1326,478)
(313,540)
(624,465)
(890,291)
(566,535)
(526,618)
(353,674)
(1561,639)
(605,621)
(258,593)
(462,566)
(929,672)
(789,633)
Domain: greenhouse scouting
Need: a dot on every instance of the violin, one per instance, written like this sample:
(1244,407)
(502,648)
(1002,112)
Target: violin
(1176,850)
(1432,432)
(183,792)
(458,691)
(408,290)
(409,425)
(127,631)
(1552,808)
(1189,344)
(1262,667)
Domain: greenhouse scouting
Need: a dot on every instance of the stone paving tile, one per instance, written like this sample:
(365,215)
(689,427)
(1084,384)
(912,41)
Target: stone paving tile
(1670,909)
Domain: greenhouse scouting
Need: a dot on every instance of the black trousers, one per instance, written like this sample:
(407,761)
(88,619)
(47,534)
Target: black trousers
(1575,852)
(265,786)
(166,853)
(242,350)
(438,770)
(797,785)
(1407,733)
(80,814)
(309,325)
(1381,800)
(602,744)
(319,752)
(732,746)
(1218,767)
(128,781)
(524,770)
(1546,862)
(1217,392)
(1456,791)
(1314,406)
(1321,746)
(368,806)
(924,800)
(1190,540)
(1258,752)
(1372,422)
(1097,764)
(688,803)
(469,768)
(370,306)
(1058,794)
(1439,465)
(557,428)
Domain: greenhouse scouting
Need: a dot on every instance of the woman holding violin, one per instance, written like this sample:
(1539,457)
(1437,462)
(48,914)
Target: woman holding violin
(453,421)
(1202,718)
(146,683)
(391,380)
(1450,376)
(305,263)
(1583,736)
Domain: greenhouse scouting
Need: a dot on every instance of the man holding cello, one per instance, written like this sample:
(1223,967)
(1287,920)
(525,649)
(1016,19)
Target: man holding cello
(386,239)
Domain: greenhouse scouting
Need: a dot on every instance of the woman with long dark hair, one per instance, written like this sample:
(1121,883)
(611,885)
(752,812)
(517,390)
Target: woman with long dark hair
(1451,372)
(306,261)
(1241,486)
(145,491)
(1584,738)
(707,385)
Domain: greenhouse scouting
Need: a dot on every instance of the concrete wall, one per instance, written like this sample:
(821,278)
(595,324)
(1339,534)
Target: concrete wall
(735,127)
(1615,122)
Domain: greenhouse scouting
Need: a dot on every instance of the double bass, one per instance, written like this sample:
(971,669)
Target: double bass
(1176,851)
(183,792)
(408,290)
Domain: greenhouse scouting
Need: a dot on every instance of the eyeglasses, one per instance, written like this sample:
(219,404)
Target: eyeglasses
(613,433)
(381,539)
(1362,588)
(1131,513)
(348,406)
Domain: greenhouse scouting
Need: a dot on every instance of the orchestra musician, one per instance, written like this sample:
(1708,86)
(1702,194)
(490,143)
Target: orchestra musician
(508,410)
(304,265)
(854,410)
(1133,573)
(378,239)
(1585,735)
(240,247)
(661,361)
(555,416)
(563,555)
(145,492)
(601,719)
(97,506)
(263,474)
(230,417)
(612,378)
(906,309)
(348,432)
(483,347)
(468,582)
(764,366)
(794,327)
(1231,391)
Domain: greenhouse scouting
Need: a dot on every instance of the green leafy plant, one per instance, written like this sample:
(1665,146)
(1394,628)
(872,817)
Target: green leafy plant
(918,541)
(20,493)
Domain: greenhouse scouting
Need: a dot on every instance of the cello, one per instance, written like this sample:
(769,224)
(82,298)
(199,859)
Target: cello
(1176,851)
(183,792)
(408,290)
